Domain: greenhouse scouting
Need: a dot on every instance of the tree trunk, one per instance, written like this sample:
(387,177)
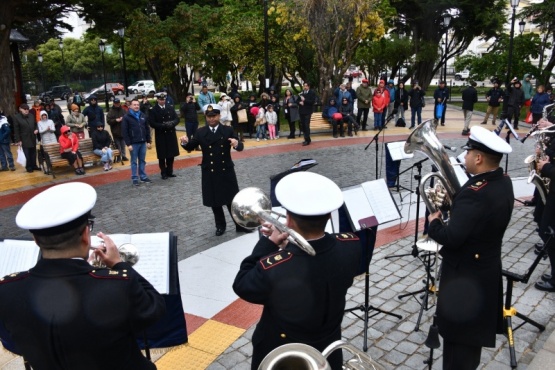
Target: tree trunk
(7,93)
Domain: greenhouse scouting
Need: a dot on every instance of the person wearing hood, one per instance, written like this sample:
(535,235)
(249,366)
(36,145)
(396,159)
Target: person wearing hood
(225,104)
(441,95)
(114,118)
(94,113)
(69,150)
(55,114)
(6,157)
(401,101)
(347,115)
(76,122)
(47,129)
(391,105)
(102,142)
(380,100)
(364,100)
(252,119)
(239,127)
(539,101)
(331,113)
(528,91)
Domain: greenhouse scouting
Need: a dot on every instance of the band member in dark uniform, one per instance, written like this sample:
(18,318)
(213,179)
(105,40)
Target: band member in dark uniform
(303,295)
(470,306)
(306,101)
(163,119)
(219,183)
(63,313)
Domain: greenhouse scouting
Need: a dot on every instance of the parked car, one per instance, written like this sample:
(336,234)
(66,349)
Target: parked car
(143,87)
(100,96)
(57,92)
(462,75)
(351,73)
(116,88)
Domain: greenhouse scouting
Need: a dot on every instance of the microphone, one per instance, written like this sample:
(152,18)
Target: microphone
(451,148)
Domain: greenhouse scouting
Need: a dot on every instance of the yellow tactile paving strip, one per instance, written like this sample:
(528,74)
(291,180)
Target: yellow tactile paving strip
(205,345)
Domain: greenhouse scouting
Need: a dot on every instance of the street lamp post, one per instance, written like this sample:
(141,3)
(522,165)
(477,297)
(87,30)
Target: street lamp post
(102,47)
(514,5)
(521,26)
(121,32)
(446,21)
(61,45)
(40,58)
(266,56)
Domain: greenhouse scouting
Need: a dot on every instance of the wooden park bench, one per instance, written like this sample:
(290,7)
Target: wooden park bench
(319,124)
(51,158)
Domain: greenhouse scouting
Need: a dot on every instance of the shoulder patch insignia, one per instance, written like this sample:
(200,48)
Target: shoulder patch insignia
(103,273)
(478,185)
(343,237)
(14,277)
(275,259)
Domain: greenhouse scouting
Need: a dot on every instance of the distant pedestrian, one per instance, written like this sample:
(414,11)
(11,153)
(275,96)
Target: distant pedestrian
(271,120)
(515,101)
(6,157)
(379,104)
(306,101)
(441,95)
(163,120)
(401,101)
(364,101)
(136,134)
(189,114)
(469,97)
(539,101)
(494,97)
(416,103)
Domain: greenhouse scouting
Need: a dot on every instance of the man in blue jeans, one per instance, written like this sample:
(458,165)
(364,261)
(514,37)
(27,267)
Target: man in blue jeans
(136,134)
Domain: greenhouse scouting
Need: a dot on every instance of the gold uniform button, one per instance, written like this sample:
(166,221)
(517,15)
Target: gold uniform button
(211,162)
(211,154)
(283,335)
(212,170)
(124,275)
(210,146)
(476,256)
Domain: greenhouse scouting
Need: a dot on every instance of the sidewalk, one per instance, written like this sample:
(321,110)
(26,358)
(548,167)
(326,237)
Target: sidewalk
(220,325)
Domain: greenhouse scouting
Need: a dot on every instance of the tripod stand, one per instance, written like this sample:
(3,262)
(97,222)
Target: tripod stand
(418,179)
(366,308)
(508,311)
(376,138)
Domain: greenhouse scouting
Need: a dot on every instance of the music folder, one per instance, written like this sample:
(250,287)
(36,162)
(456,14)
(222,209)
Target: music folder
(397,150)
(370,204)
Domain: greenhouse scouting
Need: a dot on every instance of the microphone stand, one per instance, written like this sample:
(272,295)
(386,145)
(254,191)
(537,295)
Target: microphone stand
(376,138)
(418,179)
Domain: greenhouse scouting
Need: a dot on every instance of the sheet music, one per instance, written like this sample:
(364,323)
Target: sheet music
(17,255)
(154,256)
(381,201)
(357,205)
(397,151)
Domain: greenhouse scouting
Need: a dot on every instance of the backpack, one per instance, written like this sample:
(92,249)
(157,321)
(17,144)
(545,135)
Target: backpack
(77,99)
(400,123)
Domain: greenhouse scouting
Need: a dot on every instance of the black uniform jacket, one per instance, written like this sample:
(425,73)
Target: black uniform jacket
(219,183)
(309,99)
(471,288)
(65,314)
(303,296)
(163,121)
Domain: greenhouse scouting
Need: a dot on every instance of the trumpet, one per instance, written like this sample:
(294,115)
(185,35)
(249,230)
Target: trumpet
(128,253)
(251,205)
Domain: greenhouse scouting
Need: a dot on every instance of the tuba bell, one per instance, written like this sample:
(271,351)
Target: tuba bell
(440,197)
(541,183)
(251,207)
(298,356)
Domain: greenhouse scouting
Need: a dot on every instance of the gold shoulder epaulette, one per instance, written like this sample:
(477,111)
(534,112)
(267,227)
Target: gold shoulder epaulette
(343,237)
(275,259)
(14,277)
(478,185)
(103,273)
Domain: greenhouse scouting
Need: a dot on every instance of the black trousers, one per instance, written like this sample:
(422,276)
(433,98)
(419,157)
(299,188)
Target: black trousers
(219,216)
(305,124)
(460,356)
(166,166)
(362,113)
(30,157)
(513,114)
(291,126)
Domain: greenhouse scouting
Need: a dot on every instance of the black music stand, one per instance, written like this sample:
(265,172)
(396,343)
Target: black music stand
(397,153)
(509,311)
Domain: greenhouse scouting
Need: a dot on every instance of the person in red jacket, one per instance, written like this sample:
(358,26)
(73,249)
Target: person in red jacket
(69,149)
(380,100)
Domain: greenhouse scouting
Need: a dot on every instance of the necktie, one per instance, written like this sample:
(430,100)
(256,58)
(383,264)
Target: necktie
(213,130)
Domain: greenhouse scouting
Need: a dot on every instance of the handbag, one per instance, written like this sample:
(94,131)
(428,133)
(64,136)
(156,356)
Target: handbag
(21,159)
(529,118)
(242,116)
(423,102)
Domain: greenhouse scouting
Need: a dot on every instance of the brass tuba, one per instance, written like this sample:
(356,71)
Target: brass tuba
(541,183)
(440,197)
(300,356)
(250,207)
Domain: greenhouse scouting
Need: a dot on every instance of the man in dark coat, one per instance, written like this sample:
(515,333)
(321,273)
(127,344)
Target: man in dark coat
(219,183)
(26,130)
(470,305)
(64,313)
(306,101)
(441,95)
(163,119)
(303,295)
(469,97)
(515,101)
(114,118)
(94,113)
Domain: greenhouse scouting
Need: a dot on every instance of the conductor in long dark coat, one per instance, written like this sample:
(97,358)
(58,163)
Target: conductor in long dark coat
(470,304)
(219,183)
(163,119)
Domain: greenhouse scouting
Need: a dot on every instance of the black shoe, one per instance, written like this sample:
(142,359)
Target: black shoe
(146,180)
(164,177)
(30,171)
(443,124)
(4,169)
(291,137)
(530,203)
(37,168)
(220,231)
(172,175)
(125,159)
(364,129)
(342,135)
(483,123)
(335,136)
(465,132)
(305,143)
(516,128)
(545,286)
(546,277)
